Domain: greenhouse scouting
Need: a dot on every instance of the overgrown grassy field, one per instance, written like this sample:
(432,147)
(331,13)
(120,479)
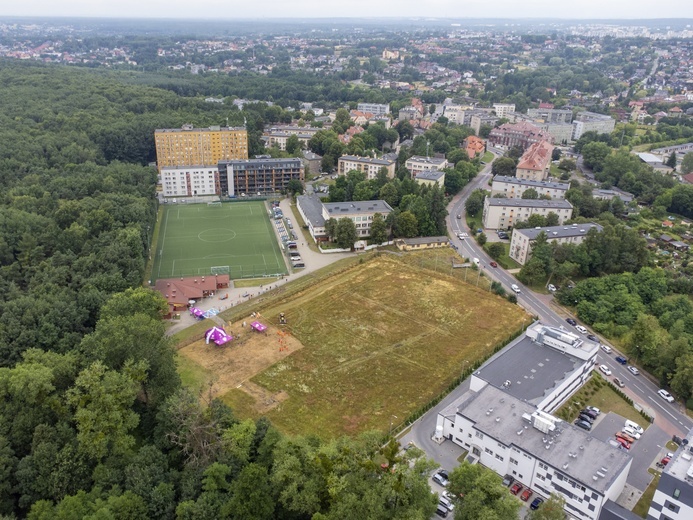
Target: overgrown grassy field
(379,340)
(194,238)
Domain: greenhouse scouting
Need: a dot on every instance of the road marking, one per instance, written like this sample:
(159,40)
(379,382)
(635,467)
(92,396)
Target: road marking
(667,411)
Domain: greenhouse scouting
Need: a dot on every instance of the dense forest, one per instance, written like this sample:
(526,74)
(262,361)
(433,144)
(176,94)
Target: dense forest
(94,422)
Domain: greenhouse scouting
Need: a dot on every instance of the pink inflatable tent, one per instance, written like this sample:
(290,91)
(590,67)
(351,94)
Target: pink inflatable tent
(258,326)
(218,336)
(198,313)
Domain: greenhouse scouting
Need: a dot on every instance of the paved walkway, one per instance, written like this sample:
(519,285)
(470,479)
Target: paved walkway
(312,259)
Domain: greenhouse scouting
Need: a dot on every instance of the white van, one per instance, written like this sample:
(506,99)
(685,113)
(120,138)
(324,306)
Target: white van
(476,262)
(634,426)
(515,289)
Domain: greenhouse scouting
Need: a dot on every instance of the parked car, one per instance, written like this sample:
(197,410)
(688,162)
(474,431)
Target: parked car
(589,413)
(551,287)
(618,382)
(516,488)
(444,473)
(586,418)
(606,348)
(623,442)
(592,337)
(446,503)
(605,370)
(571,321)
(536,503)
(666,459)
(583,424)
(625,436)
(526,494)
(581,329)
(665,395)
(442,511)
(593,409)
(507,480)
(621,359)
(493,264)
(440,479)
(631,432)
(635,426)
(633,370)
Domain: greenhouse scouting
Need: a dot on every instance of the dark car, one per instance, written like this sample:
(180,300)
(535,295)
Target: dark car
(589,413)
(493,264)
(592,337)
(583,417)
(507,480)
(444,473)
(536,503)
(571,321)
(621,359)
(583,424)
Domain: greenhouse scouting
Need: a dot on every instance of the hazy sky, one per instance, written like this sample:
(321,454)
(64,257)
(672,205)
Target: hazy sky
(229,9)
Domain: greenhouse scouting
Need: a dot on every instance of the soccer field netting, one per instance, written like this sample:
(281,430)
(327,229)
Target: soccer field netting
(235,239)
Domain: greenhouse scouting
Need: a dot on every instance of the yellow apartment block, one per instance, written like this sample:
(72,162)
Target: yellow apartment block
(188,146)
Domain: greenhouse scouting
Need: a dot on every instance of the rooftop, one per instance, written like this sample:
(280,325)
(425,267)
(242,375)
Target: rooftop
(575,230)
(425,240)
(681,464)
(292,162)
(335,209)
(530,203)
(427,160)
(537,156)
(430,175)
(370,160)
(528,182)
(568,448)
(312,209)
(189,128)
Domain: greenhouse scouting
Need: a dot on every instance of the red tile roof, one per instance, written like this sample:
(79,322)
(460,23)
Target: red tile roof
(537,156)
(178,291)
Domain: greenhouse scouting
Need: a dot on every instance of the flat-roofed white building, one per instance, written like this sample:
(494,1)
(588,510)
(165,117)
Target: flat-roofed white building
(673,499)
(417,164)
(431,177)
(504,109)
(501,213)
(368,165)
(513,188)
(361,212)
(523,239)
(591,121)
(190,181)
(374,108)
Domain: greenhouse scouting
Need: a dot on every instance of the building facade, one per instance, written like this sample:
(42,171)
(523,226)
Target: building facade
(190,181)
(188,146)
(673,499)
(431,177)
(592,122)
(279,139)
(367,165)
(253,176)
(361,212)
(417,164)
(535,163)
(523,239)
(312,161)
(374,108)
(521,134)
(513,188)
(551,115)
(504,109)
(500,213)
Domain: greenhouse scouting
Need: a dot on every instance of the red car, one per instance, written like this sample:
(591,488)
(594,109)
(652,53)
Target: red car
(493,264)
(516,488)
(623,442)
(526,494)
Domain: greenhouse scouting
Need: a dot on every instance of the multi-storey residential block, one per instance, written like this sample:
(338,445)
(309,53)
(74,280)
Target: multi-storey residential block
(504,213)
(513,187)
(590,121)
(262,176)
(535,163)
(431,177)
(523,239)
(561,132)
(477,118)
(456,113)
(408,113)
(673,499)
(190,146)
(367,165)
(503,109)
(312,161)
(417,164)
(521,134)
(279,139)
(374,108)
(190,181)
(551,115)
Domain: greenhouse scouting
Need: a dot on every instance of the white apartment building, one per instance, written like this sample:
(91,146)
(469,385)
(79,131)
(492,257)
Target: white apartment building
(431,177)
(500,213)
(673,499)
(523,239)
(361,212)
(374,108)
(504,109)
(513,188)
(368,165)
(190,181)
(590,121)
(417,164)
(455,113)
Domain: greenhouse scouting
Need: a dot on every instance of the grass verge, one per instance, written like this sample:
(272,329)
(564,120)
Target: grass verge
(643,505)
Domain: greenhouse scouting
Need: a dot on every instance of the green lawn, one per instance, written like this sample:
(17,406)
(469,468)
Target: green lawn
(200,239)
(643,505)
(487,157)
(505,261)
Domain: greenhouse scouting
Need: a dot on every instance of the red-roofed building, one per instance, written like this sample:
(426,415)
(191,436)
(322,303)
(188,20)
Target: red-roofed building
(546,105)
(688,178)
(474,146)
(180,291)
(535,162)
(518,134)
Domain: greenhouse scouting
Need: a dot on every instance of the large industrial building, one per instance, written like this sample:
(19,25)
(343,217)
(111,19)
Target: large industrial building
(505,422)
(188,146)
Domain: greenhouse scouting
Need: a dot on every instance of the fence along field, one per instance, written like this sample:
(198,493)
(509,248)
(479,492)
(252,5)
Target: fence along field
(230,238)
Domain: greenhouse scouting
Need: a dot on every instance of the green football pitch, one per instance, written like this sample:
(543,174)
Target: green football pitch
(234,238)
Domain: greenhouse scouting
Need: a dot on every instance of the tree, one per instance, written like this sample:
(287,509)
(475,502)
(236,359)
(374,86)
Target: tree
(687,163)
(406,225)
(378,229)
(556,154)
(594,155)
(567,165)
(495,250)
(294,187)
(475,203)
(345,233)
(530,193)
(671,161)
(293,144)
(481,239)
(331,227)
(504,166)
(479,493)
(551,509)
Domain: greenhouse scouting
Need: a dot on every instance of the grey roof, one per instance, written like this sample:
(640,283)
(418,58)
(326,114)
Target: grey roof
(623,195)
(369,160)
(312,209)
(430,175)
(532,369)
(425,240)
(310,156)
(210,129)
(530,203)
(428,160)
(528,182)
(505,421)
(649,158)
(681,463)
(335,209)
(575,230)
(263,163)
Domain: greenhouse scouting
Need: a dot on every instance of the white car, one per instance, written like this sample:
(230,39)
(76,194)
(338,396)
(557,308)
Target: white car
(551,287)
(606,348)
(515,289)
(462,236)
(632,433)
(581,329)
(633,370)
(605,370)
(665,395)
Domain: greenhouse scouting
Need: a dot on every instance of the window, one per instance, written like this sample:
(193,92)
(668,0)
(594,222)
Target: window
(479,435)
(513,461)
(488,451)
